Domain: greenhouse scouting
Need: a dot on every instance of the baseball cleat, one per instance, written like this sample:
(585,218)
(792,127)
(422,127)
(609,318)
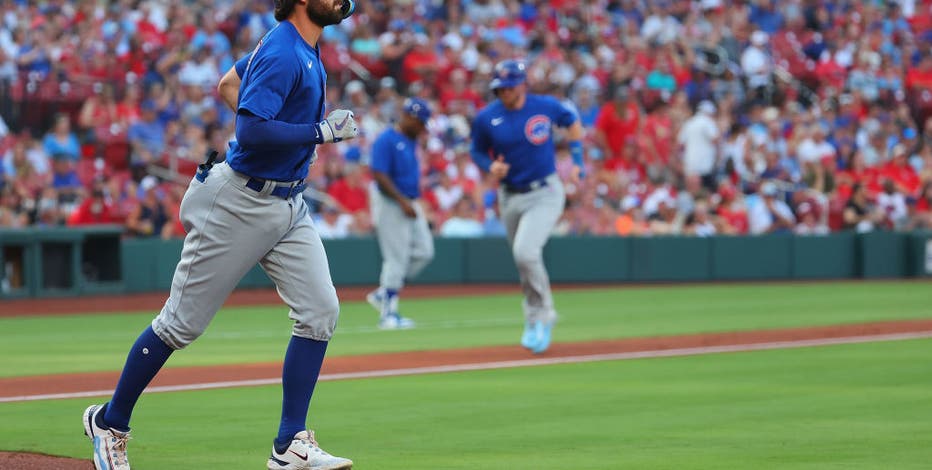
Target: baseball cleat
(529,337)
(375,299)
(543,336)
(305,454)
(394,321)
(109,444)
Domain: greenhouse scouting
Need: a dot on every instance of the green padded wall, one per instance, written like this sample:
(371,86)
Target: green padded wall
(883,255)
(671,259)
(751,258)
(588,259)
(825,256)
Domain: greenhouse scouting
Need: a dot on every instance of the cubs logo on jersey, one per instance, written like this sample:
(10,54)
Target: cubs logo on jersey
(537,129)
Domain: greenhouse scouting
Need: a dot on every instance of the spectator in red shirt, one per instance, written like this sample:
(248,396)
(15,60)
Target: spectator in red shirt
(617,121)
(421,62)
(95,209)
(459,98)
(900,172)
(350,190)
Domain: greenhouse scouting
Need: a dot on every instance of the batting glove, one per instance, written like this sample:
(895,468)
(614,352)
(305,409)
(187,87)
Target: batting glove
(339,125)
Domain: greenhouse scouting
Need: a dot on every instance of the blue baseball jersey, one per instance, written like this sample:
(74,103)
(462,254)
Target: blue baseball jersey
(284,80)
(395,154)
(523,136)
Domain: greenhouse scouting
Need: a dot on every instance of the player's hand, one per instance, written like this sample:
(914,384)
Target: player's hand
(339,125)
(499,168)
(408,209)
(576,174)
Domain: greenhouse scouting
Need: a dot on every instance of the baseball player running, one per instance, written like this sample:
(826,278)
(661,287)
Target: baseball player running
(245,210)
(511,139)
(400,225)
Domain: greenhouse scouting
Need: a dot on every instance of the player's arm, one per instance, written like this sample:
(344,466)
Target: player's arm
(271,78)
(568,117)
(388,188)
(228,88)
(481,146)
(382,152)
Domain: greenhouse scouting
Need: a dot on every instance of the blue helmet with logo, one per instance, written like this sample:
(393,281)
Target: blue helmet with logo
(508,73)
(418,108)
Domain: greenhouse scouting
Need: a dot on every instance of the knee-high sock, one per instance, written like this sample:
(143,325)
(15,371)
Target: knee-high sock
(145,359)
(299,376)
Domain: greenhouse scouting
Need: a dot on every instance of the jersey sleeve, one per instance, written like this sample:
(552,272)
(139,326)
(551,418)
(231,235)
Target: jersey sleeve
(267,83)
(240,65)
(381,154)
(563,114)
(481,144)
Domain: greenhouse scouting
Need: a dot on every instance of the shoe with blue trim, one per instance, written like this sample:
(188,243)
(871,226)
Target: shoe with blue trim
(529,337)
(109,444)
(543,330)
(394,321)
(305,454)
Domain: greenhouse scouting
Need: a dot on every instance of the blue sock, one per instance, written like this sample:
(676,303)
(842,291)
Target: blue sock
(299,376)
(145,359)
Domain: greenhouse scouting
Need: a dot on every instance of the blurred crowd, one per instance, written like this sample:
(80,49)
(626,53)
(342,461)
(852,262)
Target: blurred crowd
(702,117)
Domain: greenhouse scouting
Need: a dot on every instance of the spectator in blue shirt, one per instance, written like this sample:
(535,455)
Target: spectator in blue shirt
(146,136)
(60,142)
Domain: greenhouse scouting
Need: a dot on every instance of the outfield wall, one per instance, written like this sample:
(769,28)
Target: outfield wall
(63,262)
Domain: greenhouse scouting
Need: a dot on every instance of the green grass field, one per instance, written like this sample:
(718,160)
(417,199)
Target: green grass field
(848,406)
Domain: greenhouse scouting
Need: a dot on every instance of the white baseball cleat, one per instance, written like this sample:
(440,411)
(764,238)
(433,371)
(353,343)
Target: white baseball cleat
(305,454)
(394,321)
(109,444)
(375,299)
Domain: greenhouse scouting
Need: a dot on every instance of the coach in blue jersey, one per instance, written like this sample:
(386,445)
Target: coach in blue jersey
(245,210)
(512,139)
(400,225)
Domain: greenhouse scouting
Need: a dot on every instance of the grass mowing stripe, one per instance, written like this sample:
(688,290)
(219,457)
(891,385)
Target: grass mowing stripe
(856,406)
(504,364)
(62,344)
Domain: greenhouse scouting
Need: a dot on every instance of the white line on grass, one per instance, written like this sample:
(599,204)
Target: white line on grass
(504,364)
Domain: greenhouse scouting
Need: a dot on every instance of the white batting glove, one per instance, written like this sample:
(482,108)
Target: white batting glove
(339,125)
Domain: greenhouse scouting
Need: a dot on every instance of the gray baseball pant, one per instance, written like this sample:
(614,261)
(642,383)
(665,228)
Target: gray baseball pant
(231,227)
(406,244)
(529,218)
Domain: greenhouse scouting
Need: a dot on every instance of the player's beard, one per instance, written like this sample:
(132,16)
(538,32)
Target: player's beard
(322,13)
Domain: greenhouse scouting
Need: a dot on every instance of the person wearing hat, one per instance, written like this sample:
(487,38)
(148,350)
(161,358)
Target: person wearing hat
(401,227)
(512,140)
(770,214)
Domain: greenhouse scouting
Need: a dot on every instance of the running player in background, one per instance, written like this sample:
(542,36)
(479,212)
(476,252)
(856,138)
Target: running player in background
(512,139)
(404,237)
(246,210)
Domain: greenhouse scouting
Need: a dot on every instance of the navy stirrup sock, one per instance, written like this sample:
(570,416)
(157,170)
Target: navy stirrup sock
(299,376)
(145,359)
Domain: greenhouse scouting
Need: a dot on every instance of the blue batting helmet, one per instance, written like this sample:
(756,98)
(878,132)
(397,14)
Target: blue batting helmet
(418,108)
(508,73)
(348,8)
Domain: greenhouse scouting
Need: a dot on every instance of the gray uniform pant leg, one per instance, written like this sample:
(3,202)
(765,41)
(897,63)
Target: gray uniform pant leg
(299,268)
(406,244)
(529,218)
(229,229)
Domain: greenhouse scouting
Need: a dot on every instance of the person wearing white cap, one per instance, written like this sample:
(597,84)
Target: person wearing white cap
(769,213)
(757,64)
(699,138)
